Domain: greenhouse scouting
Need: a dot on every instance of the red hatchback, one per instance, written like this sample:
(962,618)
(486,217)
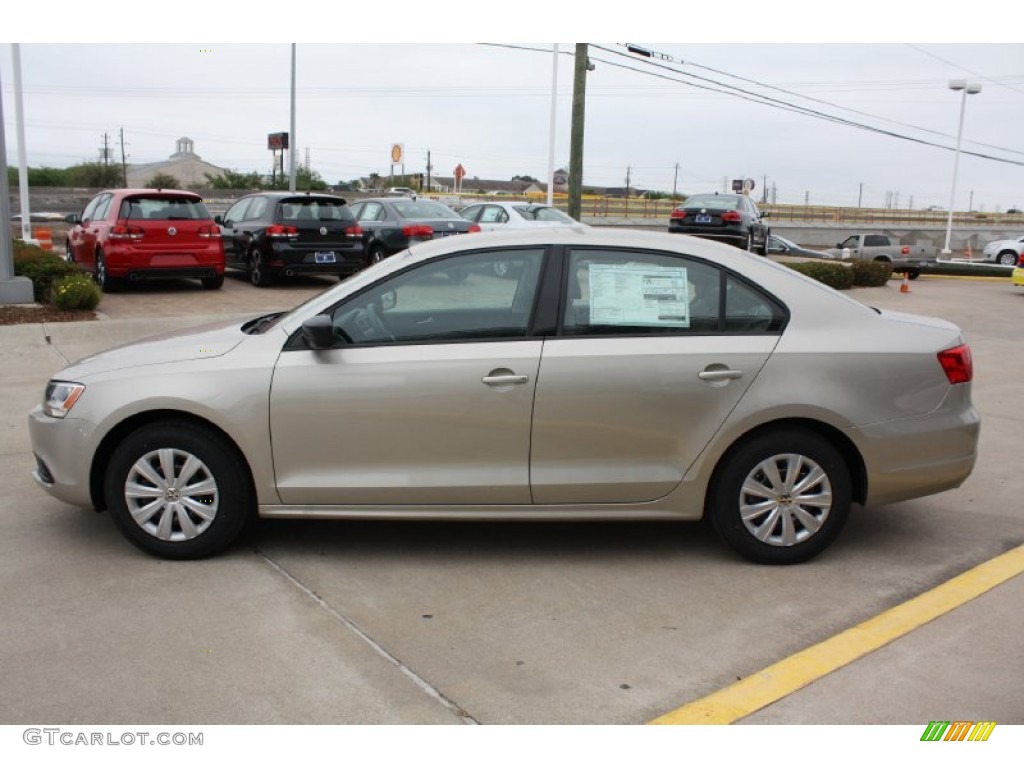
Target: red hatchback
(134,234)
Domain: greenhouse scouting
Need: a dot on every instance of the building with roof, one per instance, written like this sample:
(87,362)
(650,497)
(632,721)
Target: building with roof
(185,165)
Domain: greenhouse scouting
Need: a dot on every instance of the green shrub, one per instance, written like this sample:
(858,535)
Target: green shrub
(41,267)
(75,292)
(834,275)
(870,273)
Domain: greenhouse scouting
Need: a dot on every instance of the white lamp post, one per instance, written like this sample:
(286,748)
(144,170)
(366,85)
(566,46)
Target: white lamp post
(966,88)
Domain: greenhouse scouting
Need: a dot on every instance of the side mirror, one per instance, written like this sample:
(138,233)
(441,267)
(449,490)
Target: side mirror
(318,331)
(218,219)
(765,214)
(72,218)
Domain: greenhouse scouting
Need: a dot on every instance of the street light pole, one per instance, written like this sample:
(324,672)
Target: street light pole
(967,88)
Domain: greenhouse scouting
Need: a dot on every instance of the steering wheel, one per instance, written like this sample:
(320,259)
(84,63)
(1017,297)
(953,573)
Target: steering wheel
(377,322)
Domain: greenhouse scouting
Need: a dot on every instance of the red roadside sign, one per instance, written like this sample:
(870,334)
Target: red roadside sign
(460,172)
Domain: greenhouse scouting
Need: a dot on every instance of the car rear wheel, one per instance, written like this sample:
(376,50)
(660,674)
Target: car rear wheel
(69,255)
(178,491)
(212,283)
(750,242)
(781,497)
(1008,258)
(258,275)
(763,248)
(102,276)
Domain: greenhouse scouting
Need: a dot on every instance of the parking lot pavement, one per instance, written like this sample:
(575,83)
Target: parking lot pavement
(355,622)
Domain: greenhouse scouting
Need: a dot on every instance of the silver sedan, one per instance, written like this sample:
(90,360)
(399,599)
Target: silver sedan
(619,375)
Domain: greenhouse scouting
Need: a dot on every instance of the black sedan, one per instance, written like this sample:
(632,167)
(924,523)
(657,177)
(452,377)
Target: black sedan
(732,219)
(780,246)
(391,224)
(274,234)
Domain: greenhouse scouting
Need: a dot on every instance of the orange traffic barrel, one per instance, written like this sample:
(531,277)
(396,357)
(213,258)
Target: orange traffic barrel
(45,238)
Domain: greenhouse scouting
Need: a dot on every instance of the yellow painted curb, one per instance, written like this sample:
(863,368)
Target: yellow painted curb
(789,675)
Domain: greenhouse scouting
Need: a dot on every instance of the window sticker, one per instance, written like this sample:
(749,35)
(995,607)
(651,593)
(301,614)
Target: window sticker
(639,294)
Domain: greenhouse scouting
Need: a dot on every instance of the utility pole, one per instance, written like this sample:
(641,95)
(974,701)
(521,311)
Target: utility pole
(13,290)
(124,161)
(429,168)
(105,152)
(675,182)
(860,194)
(292,144)
(628,171)
(579,99)
(764,189)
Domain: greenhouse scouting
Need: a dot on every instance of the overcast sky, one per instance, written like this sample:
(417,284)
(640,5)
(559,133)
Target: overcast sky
(487,106)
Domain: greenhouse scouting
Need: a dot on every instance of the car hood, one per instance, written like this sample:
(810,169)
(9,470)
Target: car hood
(203,341)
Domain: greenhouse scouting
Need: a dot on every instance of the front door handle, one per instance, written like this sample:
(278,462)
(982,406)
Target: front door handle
(502,380)
(719,374)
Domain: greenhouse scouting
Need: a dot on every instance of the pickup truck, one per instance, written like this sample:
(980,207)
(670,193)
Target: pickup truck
(870,246)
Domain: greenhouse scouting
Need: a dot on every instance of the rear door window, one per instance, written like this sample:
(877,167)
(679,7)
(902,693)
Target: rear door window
(315,209)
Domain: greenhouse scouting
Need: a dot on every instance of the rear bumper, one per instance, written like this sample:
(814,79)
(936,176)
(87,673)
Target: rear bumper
(302,259)
(126,261)
(730,235)
(910,458)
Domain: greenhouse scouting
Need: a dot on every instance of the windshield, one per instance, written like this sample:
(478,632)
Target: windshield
(721,202)
(541,213)
(424,209)
(315,209)
(164,207)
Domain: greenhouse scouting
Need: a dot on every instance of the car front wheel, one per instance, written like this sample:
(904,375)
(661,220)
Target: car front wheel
(178,491)
(781,497)
(1008,258)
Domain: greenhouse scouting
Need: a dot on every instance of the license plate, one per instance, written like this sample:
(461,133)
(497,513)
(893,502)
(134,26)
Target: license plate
(324,257)
(703,218)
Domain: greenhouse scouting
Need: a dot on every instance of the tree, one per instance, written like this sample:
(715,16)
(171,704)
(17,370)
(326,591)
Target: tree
(94,175)
(235,180)
(163,181)
(526,178)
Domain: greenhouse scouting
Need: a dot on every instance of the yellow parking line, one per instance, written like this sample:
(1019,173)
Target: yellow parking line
(789,675)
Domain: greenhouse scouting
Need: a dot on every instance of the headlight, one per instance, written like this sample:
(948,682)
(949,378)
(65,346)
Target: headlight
(61,397)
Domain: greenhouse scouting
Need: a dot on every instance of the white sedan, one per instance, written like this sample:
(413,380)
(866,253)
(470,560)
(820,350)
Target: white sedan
(517,216)
(1006,252)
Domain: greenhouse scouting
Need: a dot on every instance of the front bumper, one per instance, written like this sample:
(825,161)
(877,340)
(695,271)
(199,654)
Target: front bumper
(63,450)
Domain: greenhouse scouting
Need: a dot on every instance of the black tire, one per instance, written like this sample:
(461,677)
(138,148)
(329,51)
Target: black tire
(1007,258)
(168,523)
(212,283)
(785,531)
(102,277)
(376,254)
(258,274)
(69,255)
(763,249)
(750,242)
(913,274)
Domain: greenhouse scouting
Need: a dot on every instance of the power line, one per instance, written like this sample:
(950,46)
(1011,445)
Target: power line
(921,50)
(769,101)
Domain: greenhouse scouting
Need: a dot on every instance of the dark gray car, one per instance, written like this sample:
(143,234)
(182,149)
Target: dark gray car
(391,224)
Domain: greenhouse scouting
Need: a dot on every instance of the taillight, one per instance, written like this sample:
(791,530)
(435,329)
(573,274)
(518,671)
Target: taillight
(355,232)
(282,230)
(211,231)
(418,230)
(957,364)
(121,232)
(905,250)
(1020,261)
(474,228)
(732,216)
(677,214)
